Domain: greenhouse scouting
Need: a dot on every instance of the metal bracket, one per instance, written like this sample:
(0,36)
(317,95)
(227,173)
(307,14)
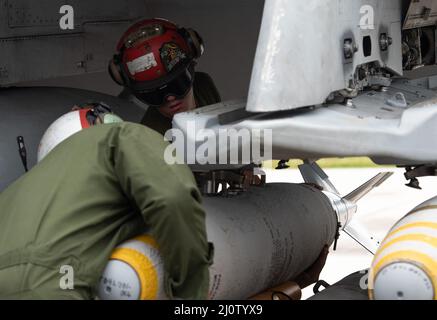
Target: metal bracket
(412,173)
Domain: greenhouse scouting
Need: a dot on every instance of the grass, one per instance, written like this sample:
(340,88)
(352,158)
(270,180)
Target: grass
(361,162)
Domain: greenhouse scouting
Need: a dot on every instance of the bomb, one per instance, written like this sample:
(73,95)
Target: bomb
(262,238)
(135,271)
(405,266)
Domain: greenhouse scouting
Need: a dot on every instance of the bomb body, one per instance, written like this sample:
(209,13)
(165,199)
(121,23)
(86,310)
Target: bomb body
(262,238)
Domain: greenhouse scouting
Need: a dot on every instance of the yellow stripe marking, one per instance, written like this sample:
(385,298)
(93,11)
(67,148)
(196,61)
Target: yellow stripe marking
(421,260)
(371,284)
(420,224)
(143,267)
(147,240)
(409,237)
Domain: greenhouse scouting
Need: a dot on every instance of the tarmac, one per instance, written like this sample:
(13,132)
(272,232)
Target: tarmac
(378,211)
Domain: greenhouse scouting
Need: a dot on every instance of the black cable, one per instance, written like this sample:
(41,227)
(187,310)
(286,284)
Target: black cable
(22,152)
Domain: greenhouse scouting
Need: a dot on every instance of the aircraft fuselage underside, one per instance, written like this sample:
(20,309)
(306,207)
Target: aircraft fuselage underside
(395,125)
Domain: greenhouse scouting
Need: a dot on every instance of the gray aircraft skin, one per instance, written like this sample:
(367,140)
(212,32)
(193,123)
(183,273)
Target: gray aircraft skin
(35,51)
(293,73)
(354,78)
(348,79)
(43,105)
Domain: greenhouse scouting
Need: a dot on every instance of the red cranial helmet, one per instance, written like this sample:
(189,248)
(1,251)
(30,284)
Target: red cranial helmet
(156,57)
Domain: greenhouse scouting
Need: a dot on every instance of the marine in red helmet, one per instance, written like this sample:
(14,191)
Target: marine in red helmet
(155,62)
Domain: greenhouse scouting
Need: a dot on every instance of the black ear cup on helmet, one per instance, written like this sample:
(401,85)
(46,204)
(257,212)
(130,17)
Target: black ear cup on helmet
(194,41)
(115,71)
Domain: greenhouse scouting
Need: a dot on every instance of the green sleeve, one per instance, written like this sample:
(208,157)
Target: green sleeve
(168,199)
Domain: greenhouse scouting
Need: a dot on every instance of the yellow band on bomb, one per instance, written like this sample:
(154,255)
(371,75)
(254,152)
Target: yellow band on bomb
(423,261)
(144,268)
(409,237)
(147,240)
(422,224)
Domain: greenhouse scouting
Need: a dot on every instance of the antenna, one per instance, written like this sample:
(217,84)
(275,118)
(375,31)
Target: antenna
(22,152)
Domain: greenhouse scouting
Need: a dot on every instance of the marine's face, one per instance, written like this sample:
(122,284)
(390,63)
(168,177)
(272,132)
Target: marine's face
(173,105)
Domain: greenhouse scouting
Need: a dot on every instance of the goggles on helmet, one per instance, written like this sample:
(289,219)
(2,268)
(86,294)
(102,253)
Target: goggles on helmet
(178,87)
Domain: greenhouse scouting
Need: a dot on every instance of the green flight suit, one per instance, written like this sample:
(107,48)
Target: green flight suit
(205,93)
(100,187)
